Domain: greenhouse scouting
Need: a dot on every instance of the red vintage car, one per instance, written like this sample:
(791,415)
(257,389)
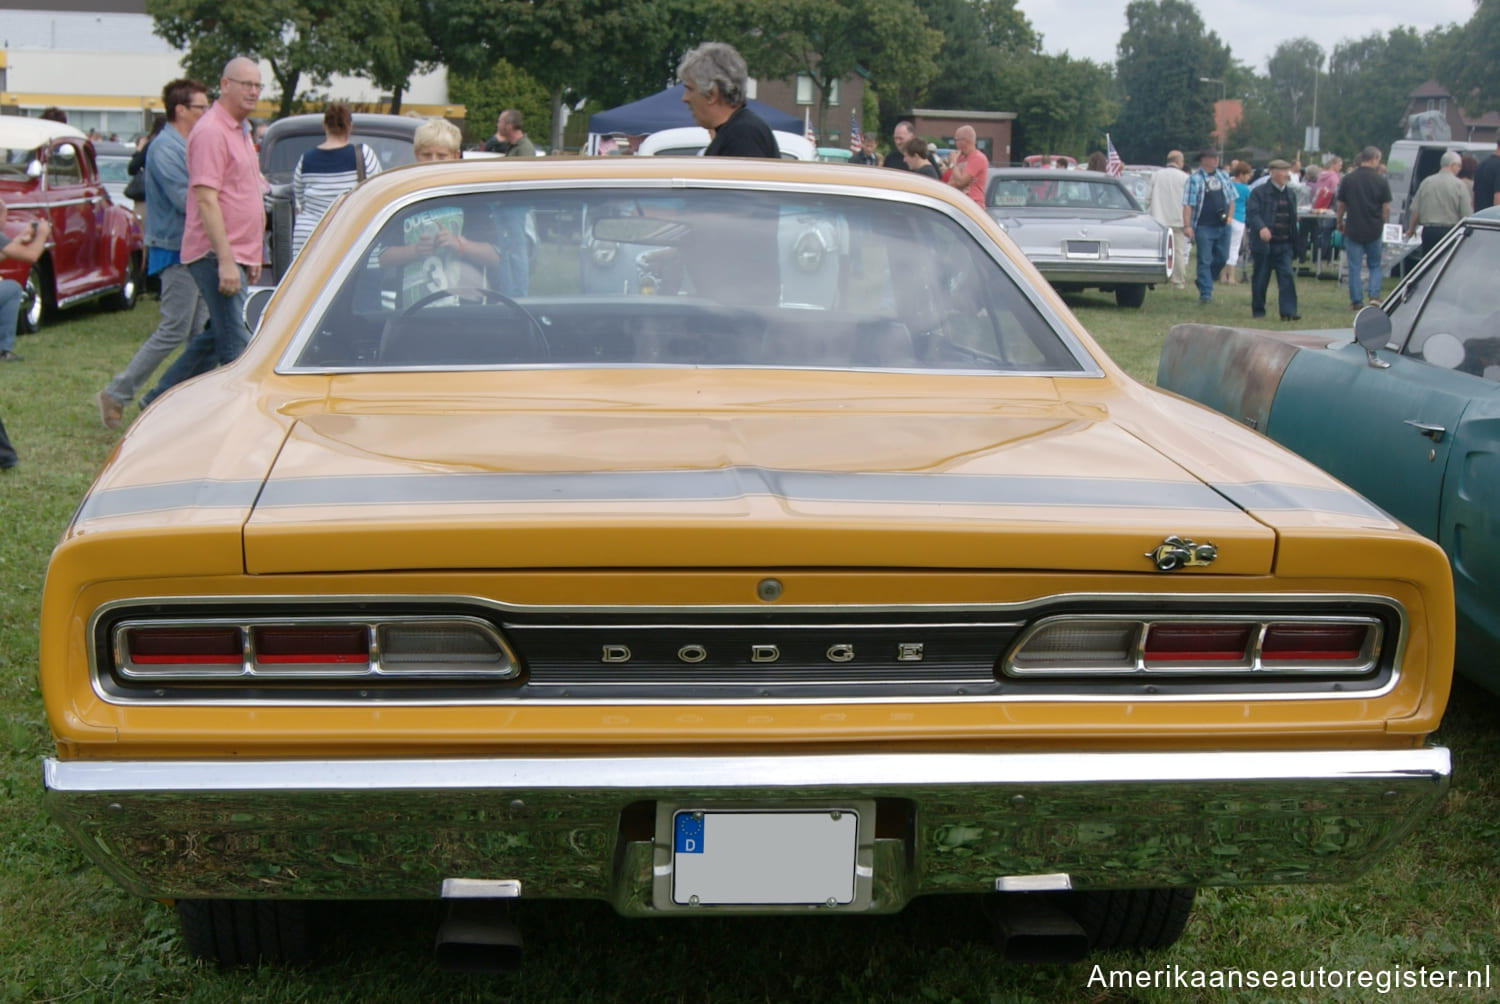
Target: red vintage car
(47,171)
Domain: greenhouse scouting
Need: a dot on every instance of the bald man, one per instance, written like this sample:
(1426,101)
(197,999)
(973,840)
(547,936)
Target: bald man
(971,168)
(226,217)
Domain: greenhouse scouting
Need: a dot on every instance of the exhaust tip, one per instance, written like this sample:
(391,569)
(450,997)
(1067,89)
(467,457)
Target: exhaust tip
(1031,928)
(477,936)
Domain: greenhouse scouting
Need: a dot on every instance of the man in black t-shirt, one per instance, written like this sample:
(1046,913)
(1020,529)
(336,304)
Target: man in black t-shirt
(1364,205)
(713,87)
(900,136)
(1487,181)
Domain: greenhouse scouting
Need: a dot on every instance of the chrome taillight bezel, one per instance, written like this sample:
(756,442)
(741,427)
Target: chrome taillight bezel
(252,668)
(1253,663)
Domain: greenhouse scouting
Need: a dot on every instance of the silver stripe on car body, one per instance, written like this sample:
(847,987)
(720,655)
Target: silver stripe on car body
(1269,495)
(202,493)
(175,828)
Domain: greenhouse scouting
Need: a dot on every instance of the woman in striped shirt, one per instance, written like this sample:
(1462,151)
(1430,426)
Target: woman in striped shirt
(327,171)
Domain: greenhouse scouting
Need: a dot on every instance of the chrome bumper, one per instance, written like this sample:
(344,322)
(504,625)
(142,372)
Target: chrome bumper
(583,827)
(1109,273)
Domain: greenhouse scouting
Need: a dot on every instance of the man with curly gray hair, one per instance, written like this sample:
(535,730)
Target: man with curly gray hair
(713,87)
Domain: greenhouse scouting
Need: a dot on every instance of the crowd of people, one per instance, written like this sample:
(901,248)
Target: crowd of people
(202,195)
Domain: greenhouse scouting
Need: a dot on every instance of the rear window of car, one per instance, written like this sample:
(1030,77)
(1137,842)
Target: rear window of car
(282,156)
(1058,193)
(694,277)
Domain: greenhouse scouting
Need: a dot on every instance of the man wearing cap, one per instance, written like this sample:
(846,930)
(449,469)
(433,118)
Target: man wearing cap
(1207,205)
(1275,238)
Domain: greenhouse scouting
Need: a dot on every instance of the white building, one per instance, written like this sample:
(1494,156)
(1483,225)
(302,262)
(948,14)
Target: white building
(101,62)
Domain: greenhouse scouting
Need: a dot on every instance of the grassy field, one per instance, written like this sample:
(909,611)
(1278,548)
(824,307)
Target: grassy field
(68,934)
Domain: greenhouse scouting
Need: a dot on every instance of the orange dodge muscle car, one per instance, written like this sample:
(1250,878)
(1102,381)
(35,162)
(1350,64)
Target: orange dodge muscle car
(589,530)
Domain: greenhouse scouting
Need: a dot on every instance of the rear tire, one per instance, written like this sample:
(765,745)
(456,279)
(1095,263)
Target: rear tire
(238,932)
(1130,296)
(1132,918)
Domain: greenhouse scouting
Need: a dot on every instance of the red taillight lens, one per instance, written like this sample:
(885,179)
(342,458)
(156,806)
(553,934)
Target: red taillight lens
(282,645)
(186,646)
(1314,642)
(1193,642)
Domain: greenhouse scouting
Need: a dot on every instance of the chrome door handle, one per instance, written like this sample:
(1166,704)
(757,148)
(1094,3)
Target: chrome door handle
(1432,432)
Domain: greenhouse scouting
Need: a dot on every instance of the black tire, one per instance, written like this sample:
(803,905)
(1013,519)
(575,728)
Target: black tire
(126,297)
(239,932)
(1132,918)
(1133,295)
(35,301)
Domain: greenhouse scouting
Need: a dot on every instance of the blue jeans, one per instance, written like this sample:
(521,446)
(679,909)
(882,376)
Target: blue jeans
(1273,257)
(1370,252)
(10,312)
(226,314)
(514,270)
(199,356)
(1212,240)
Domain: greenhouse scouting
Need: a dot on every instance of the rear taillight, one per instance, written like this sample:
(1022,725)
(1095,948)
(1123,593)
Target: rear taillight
(395,648)
(1081,645)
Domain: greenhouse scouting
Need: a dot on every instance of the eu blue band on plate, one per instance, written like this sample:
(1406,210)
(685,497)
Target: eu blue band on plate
(689,829)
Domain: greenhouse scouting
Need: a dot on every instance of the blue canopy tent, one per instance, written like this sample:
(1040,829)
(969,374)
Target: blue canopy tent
(666,111)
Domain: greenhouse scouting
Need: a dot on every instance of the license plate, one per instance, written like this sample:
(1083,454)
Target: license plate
(748,858)
(1082,249)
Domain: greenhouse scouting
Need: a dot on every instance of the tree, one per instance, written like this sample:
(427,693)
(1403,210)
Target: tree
(395,45)
(1062,105)
(1163,54)
(573,48)
(968,66)
(297,38)
(889,40)
(1469,60)
(485,95)
(1369,82)
(1294,72)
(1006,28)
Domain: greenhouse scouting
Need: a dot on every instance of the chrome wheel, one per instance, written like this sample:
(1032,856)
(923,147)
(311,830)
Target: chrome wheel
(33,305)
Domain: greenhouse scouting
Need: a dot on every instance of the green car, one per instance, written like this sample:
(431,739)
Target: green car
(1408,413)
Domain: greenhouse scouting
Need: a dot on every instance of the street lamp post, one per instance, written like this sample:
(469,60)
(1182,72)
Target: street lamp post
(1223,95)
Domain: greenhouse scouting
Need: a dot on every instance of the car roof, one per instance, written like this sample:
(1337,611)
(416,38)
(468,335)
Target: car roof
(682,137)
(366,122)
(20,132)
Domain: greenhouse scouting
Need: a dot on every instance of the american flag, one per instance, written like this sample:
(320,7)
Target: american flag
(855,140)
(1113,166)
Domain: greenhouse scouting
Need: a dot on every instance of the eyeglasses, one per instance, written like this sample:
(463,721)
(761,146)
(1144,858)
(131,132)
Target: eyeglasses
(198,108)
(249,85)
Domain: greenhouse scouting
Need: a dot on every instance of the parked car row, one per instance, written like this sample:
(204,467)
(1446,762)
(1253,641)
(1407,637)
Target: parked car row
(48,171)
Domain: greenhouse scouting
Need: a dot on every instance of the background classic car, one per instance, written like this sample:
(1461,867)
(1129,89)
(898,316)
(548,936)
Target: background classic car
(700,599)
(47,171)
(1415,427)
(1082,229)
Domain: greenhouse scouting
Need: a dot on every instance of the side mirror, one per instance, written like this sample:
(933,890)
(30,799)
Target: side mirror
(255,306)
(1372,330)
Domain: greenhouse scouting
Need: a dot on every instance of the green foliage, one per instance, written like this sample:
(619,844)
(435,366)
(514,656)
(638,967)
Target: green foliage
(489,93)
(1294,74)
(1062,105)
(395,44)
(310,39)
(1469,59)
(889,40)
(1163,53)
(1368,85)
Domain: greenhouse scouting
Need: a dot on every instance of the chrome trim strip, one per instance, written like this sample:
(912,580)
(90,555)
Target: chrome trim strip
(1017,610)
(307,325)
(92,294)
(699,771)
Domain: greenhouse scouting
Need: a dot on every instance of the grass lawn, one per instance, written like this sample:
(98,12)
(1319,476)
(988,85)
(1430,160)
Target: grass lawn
(68,934)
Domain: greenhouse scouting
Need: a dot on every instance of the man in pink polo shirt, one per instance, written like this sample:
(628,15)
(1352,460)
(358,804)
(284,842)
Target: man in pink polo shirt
(971,168)
(226,217)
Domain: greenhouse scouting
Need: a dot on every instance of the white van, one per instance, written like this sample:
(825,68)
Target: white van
(1412,160)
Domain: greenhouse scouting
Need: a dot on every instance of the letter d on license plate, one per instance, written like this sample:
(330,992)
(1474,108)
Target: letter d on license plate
(750,858)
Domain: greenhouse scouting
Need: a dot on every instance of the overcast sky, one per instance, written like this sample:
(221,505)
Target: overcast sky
(1090,29)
